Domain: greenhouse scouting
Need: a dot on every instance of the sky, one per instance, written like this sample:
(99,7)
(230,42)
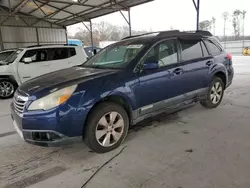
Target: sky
(177,14)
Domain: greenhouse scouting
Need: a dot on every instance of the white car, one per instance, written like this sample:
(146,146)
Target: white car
(27,63)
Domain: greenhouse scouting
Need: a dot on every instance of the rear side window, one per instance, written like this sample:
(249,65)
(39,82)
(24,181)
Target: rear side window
(191,49)
(58,53)
(72,52)
(213,49)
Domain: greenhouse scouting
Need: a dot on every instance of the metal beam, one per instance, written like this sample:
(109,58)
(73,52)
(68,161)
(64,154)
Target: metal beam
(1,40)
(54,13)
(20,6)
(100,7)
(39,7)
(127,20)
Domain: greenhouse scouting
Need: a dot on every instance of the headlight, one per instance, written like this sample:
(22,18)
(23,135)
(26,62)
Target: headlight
(53,100)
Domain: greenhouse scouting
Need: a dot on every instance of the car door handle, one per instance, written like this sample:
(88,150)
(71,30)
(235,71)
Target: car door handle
(209,63)
(45,65)
(178,71)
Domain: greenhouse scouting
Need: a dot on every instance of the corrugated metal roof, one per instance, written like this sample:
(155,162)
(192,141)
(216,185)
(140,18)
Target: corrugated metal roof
(66,12)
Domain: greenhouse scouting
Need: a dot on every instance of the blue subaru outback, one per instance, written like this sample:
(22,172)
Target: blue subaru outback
(126,82)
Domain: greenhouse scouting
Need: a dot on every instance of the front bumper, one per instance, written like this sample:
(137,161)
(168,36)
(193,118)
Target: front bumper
(50,128)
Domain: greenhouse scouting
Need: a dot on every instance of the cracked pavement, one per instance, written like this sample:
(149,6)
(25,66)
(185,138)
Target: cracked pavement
(194,148)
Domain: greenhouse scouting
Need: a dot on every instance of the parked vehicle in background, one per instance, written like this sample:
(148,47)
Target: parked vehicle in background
(5,54)
(76,42)
(27,63)
(90,51)
(100,99)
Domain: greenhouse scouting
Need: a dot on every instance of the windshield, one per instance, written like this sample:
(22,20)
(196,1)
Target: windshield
(117,56)
(4,55)
(13,57)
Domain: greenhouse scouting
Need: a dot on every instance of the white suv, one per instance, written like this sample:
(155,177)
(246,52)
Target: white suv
(30,62)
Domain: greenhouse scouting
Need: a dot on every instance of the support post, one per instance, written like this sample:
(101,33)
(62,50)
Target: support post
(37,37)
(129,22)
(1,40)
(91,35)
(198,15)
(197,8)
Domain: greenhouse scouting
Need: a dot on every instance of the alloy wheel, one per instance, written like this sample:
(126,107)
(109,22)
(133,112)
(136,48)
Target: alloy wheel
(6,89)
(216,92)
(109,129)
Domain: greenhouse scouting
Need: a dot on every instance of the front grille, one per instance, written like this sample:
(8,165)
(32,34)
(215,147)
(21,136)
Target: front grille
(19,102)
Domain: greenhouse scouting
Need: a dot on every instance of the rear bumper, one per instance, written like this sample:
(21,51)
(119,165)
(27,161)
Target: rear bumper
(230,76)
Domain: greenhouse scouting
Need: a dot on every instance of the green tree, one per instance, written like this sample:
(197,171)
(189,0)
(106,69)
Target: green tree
(206,25)
(236,23)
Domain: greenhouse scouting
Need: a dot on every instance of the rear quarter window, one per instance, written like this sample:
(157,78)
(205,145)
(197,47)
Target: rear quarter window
(213,47)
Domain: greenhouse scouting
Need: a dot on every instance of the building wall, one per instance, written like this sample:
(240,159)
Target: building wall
(13,37)
(17,31)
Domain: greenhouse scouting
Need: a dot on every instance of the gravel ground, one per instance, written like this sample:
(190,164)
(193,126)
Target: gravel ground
(194,148)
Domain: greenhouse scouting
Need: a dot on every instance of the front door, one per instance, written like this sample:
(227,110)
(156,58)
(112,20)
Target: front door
(161,80)
(33,63)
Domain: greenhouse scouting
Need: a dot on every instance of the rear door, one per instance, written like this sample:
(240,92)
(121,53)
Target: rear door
(196,62)
(38,65)
(61,58)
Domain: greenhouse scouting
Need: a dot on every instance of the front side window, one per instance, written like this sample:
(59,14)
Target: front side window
(35,55)
(191,49)
(163,54)
(213,49)
(116,56)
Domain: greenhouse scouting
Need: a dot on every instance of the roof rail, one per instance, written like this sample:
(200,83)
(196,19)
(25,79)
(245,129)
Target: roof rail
(170,32)
(201,32)
(40,45)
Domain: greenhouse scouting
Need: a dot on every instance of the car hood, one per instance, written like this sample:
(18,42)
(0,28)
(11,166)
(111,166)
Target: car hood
(62,78)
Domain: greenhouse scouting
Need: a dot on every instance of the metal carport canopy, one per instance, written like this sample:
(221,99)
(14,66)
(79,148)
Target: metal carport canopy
(66,12)
(62,13)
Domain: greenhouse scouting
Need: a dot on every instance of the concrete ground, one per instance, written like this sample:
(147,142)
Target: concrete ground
(194,148)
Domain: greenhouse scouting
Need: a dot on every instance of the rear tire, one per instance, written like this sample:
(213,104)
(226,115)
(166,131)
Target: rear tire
(214,94)
(7,89)
(106,127)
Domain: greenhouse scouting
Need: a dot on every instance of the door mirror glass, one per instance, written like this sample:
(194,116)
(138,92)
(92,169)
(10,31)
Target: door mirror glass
(27,60)
(148,65)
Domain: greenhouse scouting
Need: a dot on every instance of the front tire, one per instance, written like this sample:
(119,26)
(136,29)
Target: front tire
(215,94)
(7,89)
(106,127)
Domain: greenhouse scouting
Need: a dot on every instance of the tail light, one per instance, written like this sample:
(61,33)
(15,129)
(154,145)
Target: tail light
(229,56)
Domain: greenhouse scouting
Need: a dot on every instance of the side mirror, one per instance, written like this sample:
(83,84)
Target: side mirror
(148,65)
(27,60)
